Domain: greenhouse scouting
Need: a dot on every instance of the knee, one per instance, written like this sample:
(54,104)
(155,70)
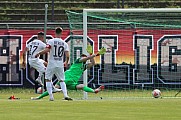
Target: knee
(47,80)
(61,80)
(57,86)
(80,86)
(42,71)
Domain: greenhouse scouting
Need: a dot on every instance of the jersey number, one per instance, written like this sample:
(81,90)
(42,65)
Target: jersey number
(32,49)
(58,51)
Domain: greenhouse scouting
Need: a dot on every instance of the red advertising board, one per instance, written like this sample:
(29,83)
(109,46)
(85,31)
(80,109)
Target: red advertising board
(134,51)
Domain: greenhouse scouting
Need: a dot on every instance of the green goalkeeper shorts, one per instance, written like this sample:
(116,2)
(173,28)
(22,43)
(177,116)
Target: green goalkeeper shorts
(71,84)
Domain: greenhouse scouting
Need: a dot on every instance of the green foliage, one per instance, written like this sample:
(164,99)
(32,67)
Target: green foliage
(4,18)
(25,6)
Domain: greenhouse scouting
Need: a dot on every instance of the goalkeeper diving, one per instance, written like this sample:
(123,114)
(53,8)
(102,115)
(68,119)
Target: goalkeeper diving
(74,73)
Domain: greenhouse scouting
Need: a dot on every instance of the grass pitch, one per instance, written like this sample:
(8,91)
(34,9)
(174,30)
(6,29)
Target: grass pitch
(93,109)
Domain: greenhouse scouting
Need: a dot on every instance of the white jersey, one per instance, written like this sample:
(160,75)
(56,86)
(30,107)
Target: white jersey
(57,48)
(35,47)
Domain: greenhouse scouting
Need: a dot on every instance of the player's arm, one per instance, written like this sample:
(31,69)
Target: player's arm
(91,64)
(67,57)
(46,50)
(101,52)
(84,59)
(43,52)
(24,55)
(67,54)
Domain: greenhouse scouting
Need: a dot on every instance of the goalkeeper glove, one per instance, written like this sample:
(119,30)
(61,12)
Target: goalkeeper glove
(89,49)
(101,52)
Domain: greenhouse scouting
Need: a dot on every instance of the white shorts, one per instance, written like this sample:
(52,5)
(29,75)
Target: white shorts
(37,64)
(57,71)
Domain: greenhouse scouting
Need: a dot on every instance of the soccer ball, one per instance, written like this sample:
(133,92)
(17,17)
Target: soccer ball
(39,90)
(156,93)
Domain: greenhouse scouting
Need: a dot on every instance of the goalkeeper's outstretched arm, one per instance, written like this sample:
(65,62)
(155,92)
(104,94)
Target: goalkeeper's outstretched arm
(89,49)
(85,58)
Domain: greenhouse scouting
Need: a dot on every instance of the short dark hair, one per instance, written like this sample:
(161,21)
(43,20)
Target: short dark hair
(58,30)
(41,33)
(83,55)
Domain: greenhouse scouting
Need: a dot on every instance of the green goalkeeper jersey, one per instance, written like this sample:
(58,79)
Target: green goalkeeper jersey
(75,71)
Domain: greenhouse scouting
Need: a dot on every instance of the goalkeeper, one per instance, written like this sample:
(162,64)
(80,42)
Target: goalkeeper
(73,74)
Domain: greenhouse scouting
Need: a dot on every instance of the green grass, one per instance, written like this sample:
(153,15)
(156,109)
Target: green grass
(94,109)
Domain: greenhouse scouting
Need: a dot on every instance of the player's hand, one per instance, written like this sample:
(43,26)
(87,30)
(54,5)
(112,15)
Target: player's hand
(23,65)
(37,55)
(89,49)
(102,51)
(65,64)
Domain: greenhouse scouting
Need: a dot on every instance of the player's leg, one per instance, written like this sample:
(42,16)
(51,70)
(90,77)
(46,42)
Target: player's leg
(88,89)
(60,76)
(33,64)
(48,77)
(40,67)
(100,88)
(44,94)
(56,88)
(84,88)
(49,89)
(75,86)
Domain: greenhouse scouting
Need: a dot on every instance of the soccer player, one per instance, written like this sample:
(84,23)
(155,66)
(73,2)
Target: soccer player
(56,48)
(34,47)
(73,74)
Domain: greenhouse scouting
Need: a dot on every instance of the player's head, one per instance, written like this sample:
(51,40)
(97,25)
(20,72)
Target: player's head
(58,31)
(41,35)
(83,55)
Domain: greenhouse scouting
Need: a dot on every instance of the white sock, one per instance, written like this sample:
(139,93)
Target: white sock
(64,88)
(40,75)
(49,89)
(53,87)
